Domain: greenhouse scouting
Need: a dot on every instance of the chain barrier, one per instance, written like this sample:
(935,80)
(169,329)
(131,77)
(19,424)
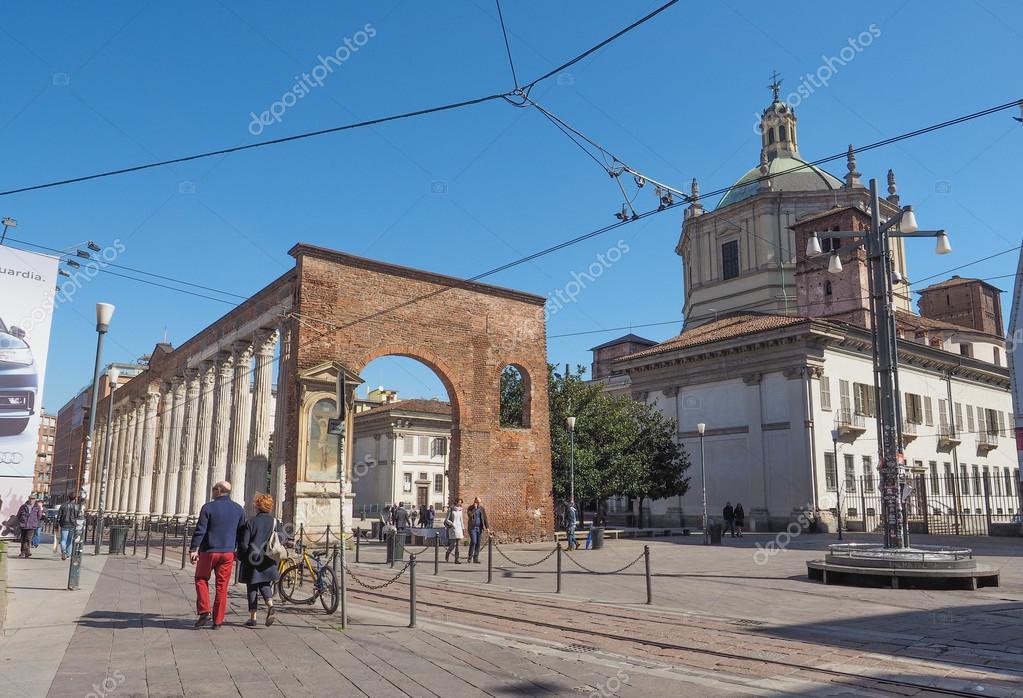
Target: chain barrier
(419,552)
(375,587)
(312,541)
(587,569)
(522,564)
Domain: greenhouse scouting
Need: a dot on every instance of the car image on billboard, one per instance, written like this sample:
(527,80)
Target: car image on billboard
(19,380)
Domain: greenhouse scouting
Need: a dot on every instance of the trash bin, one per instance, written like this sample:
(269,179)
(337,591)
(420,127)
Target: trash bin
(715,533)
(597,537)
(397,546)
(118,539)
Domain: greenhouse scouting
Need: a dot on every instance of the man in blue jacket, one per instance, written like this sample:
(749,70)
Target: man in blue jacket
(212,551)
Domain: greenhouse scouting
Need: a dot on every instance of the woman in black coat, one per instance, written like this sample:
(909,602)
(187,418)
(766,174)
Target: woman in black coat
(259,571)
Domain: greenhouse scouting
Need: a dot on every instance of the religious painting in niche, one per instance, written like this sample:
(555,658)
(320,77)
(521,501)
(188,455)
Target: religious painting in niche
(321,449)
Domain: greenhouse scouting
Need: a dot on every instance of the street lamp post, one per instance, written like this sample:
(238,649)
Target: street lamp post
(838,481)
(112,376)
(104,313)
(879,265)
(571,459)
(701,428)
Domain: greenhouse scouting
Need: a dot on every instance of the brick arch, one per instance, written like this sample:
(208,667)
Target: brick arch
(355,310)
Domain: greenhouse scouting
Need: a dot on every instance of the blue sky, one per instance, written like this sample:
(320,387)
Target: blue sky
(89,88)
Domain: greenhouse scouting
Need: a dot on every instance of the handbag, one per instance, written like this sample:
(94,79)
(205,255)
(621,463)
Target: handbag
(274,549)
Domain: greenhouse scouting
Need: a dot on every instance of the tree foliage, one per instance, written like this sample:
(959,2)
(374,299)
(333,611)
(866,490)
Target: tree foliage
(622,447)
(512,391)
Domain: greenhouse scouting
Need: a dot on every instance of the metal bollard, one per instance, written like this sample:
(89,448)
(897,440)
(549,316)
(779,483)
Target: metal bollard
(301,534)
(135,539)
(490,559)
(436,554)
(326,539)
(358,537)
(342,580)
(149,534)
(412,591)
(163,547)
(646,561)
(184,547)
(237,571)
(558,589)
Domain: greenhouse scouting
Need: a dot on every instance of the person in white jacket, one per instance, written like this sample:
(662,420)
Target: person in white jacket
(454,524)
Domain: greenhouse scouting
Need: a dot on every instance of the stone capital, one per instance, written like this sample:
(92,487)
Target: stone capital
(752,378)
(670,392)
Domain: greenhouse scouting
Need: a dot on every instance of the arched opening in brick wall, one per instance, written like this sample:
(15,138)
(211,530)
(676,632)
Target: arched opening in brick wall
(402,431)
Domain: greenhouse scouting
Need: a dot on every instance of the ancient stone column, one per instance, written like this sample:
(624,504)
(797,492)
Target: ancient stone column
(128,462)
(258,458)
(170,498)
(278,473)
(147,457)
(241,409)
(96,467)
(204,429)
(160,471)
(136,457)
(220,437)
(187,452)
(110,493)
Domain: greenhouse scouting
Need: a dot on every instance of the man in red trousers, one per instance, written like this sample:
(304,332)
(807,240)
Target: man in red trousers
(212,552)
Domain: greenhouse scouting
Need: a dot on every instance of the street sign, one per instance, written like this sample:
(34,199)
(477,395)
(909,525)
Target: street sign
(336,427)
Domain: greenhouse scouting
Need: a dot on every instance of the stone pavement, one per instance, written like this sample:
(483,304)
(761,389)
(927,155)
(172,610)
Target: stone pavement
(40,617)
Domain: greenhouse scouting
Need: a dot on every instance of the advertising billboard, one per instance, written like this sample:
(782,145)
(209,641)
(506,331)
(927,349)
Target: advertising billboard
(27,289)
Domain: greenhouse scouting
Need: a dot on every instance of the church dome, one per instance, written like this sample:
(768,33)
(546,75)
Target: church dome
(799,175)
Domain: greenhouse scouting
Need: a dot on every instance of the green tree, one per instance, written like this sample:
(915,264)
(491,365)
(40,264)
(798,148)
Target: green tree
(512,390)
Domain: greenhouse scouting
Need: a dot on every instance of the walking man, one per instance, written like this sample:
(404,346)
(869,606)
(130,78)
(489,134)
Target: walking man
(729,516)
(571,521)
(66,517)
(28,520)
(212,551)
(477,525)
(401,518)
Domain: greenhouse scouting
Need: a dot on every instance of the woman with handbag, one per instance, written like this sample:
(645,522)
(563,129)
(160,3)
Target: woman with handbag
(261,546)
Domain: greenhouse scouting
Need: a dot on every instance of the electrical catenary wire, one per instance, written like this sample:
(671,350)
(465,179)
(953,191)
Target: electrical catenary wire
(335,129)
(507,46)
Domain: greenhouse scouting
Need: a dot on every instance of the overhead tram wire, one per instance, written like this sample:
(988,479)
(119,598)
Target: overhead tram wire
(101,264)
(507,46)
(344,127)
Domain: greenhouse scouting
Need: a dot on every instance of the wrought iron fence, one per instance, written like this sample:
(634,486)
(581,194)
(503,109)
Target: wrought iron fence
(945,504)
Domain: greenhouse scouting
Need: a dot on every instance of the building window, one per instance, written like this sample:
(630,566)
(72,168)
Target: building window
(408,445)
(781,133)
(770,136)
(959,417)
(964,480)
(971,426)
(830,472)
(914,410)
(928,412)
(966,350)
(424,477)
(843,396)
(997,357)
(827,288)
(438,483)
(950,484)
(935,480)
(424,446)
(850,473)
(868,474)
(864,396)
(514,394)
(825,393)
(730,259)
(996,481)
(407,482)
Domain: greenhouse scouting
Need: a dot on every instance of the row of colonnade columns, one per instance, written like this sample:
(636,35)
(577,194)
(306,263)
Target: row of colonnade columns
(209,422)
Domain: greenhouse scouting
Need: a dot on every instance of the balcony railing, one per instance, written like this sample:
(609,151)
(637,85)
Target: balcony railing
(987,440)
(848,422)
(909,431)
(948,436)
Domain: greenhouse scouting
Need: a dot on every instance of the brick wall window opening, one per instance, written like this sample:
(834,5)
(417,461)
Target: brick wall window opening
(515,392)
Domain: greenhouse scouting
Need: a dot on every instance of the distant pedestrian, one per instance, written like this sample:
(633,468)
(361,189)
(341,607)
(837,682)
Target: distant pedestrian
(212,552)
(259,570)
(455,526)
(28,520)
(38,535)
(401,518)
(740,519)
(729,516)
(430,516)
(571,521)
(478,523)
(67,517)
(385,521)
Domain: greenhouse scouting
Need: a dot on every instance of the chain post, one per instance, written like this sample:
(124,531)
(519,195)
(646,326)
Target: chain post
(358,538)
(436,553)
(557,590)
(135,539)
(149,534)
(646,561)
(490,558)
(163,547)
(184,546)
(412,591)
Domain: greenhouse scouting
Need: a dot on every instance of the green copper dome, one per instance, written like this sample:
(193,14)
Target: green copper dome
(798,176)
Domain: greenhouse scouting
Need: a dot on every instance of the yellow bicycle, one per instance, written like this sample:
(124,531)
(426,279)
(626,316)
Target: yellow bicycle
(307,578)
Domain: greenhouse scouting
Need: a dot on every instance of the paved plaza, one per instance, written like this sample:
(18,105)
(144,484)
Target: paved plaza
(728,620)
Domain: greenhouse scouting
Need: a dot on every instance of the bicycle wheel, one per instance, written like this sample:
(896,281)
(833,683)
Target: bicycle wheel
(328,590)
(296,585)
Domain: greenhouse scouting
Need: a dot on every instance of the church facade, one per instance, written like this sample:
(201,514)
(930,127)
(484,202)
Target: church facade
(775,359)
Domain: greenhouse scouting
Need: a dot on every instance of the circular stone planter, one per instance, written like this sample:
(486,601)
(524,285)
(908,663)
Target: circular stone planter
(920,566)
